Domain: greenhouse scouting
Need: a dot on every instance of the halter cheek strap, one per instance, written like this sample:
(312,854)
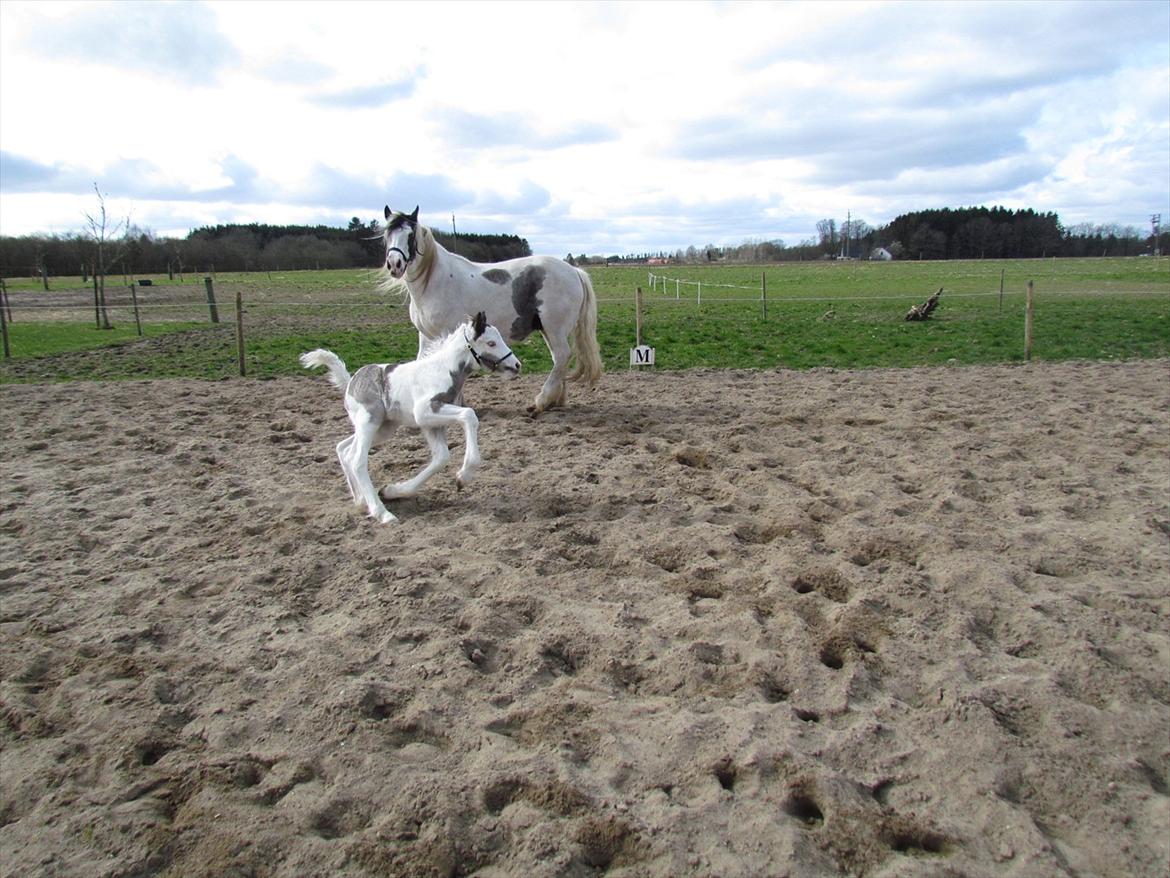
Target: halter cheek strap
(407,257)
(486,359)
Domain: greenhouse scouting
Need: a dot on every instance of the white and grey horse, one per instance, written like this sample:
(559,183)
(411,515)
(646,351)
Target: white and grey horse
(421,393)
(520,296)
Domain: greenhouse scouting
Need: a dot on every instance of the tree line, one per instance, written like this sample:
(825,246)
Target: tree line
(247,247)
(965,233)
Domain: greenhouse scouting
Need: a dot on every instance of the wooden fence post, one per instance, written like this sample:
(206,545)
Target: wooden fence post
(240,331)
(1001,271)
(638,318)
(1028,326)
(4,332)
(5,301)
(210,284)
(134,299)
(764,294)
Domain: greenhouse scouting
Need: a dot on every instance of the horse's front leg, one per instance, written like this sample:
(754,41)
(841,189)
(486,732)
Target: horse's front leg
(450,416)
(553,392)
(437,441)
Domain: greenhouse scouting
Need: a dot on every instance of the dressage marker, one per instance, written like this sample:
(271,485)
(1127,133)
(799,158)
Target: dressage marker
(520,296)
(422,394)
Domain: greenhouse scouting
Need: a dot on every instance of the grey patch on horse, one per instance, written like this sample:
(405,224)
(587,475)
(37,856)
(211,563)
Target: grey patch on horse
(497,275)
(391,408)
(368,387)
(448,396)
(524,301)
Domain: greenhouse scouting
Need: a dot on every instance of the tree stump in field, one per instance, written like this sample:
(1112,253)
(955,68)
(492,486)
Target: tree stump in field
(922,312)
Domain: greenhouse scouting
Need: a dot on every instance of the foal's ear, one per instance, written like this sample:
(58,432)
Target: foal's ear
(414,216)
(388,211)
(480,324)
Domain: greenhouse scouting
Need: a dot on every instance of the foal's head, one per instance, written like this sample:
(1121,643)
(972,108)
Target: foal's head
(488,347)
(400,234)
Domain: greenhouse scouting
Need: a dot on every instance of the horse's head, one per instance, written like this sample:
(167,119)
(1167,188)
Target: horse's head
(400,234)
(488,347)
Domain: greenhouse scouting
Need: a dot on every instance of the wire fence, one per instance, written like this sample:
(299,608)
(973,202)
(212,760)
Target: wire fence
(262,312)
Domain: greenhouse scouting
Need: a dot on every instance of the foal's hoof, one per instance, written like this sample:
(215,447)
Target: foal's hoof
(387,517)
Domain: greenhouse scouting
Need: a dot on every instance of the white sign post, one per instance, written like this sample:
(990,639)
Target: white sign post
(640,354)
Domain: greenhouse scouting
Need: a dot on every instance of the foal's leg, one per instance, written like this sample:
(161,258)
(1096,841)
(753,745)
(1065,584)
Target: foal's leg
(553,392)
(449,416)
(343,456)
(364,431)
(437,440)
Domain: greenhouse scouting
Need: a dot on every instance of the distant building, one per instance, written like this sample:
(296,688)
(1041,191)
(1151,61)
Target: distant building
(881,254)
(659,260)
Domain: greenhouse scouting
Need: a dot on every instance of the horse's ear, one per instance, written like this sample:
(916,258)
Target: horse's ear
(414,216)
(388,211)
(480,324)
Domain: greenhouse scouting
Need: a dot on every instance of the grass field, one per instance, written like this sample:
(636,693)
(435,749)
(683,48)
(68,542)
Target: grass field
(842,314)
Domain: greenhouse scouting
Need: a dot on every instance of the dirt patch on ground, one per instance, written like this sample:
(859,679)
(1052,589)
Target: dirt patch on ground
(719,623)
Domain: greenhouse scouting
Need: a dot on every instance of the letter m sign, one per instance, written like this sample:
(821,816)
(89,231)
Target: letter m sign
(642,355)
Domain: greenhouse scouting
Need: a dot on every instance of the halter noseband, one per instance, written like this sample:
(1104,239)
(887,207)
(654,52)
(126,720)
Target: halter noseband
(410,245)
(492,363)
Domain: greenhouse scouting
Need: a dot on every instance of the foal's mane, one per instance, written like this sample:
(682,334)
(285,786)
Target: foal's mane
(433,344)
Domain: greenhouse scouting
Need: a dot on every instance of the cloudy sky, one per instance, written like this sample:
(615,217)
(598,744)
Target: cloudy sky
(600,128)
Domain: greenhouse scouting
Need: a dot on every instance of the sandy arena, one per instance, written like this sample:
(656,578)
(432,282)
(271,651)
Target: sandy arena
(880,623)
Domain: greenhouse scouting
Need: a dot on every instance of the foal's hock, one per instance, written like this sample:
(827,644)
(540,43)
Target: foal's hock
(423,394)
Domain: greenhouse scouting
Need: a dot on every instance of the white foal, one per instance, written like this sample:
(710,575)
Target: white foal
(425,394)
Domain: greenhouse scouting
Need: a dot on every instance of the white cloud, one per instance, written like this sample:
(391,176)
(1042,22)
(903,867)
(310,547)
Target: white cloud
(583,126)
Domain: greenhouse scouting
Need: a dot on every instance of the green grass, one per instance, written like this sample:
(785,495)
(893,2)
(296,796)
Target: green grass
(843,315)
(30,340)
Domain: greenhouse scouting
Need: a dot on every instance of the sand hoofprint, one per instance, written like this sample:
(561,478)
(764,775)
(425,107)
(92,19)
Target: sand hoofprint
(881,623)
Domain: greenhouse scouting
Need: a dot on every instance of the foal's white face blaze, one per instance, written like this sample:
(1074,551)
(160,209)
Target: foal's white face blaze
(494,354)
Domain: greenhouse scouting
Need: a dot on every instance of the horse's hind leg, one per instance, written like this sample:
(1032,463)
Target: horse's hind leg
(343,456)
(364,431)
(553,392)
(437,440)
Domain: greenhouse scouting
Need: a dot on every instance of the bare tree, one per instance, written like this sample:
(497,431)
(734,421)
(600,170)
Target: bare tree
(108,241)
(827,230)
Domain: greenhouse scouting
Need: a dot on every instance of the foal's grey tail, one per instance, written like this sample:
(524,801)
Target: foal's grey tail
(338,374)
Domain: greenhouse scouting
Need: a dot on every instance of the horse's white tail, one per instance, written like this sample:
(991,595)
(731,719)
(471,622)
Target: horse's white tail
(338,374)
(585,336)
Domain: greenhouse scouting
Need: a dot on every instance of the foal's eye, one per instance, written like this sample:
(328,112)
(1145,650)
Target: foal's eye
(491,344)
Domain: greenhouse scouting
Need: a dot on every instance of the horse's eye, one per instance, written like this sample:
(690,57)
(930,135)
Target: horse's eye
(491,344)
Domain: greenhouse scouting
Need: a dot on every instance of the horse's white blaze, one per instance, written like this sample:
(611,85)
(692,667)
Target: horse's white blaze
(519,296)
(422,394)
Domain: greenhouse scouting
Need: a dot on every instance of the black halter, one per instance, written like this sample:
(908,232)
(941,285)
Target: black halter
(410,245)
(408,257)
(487,360)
